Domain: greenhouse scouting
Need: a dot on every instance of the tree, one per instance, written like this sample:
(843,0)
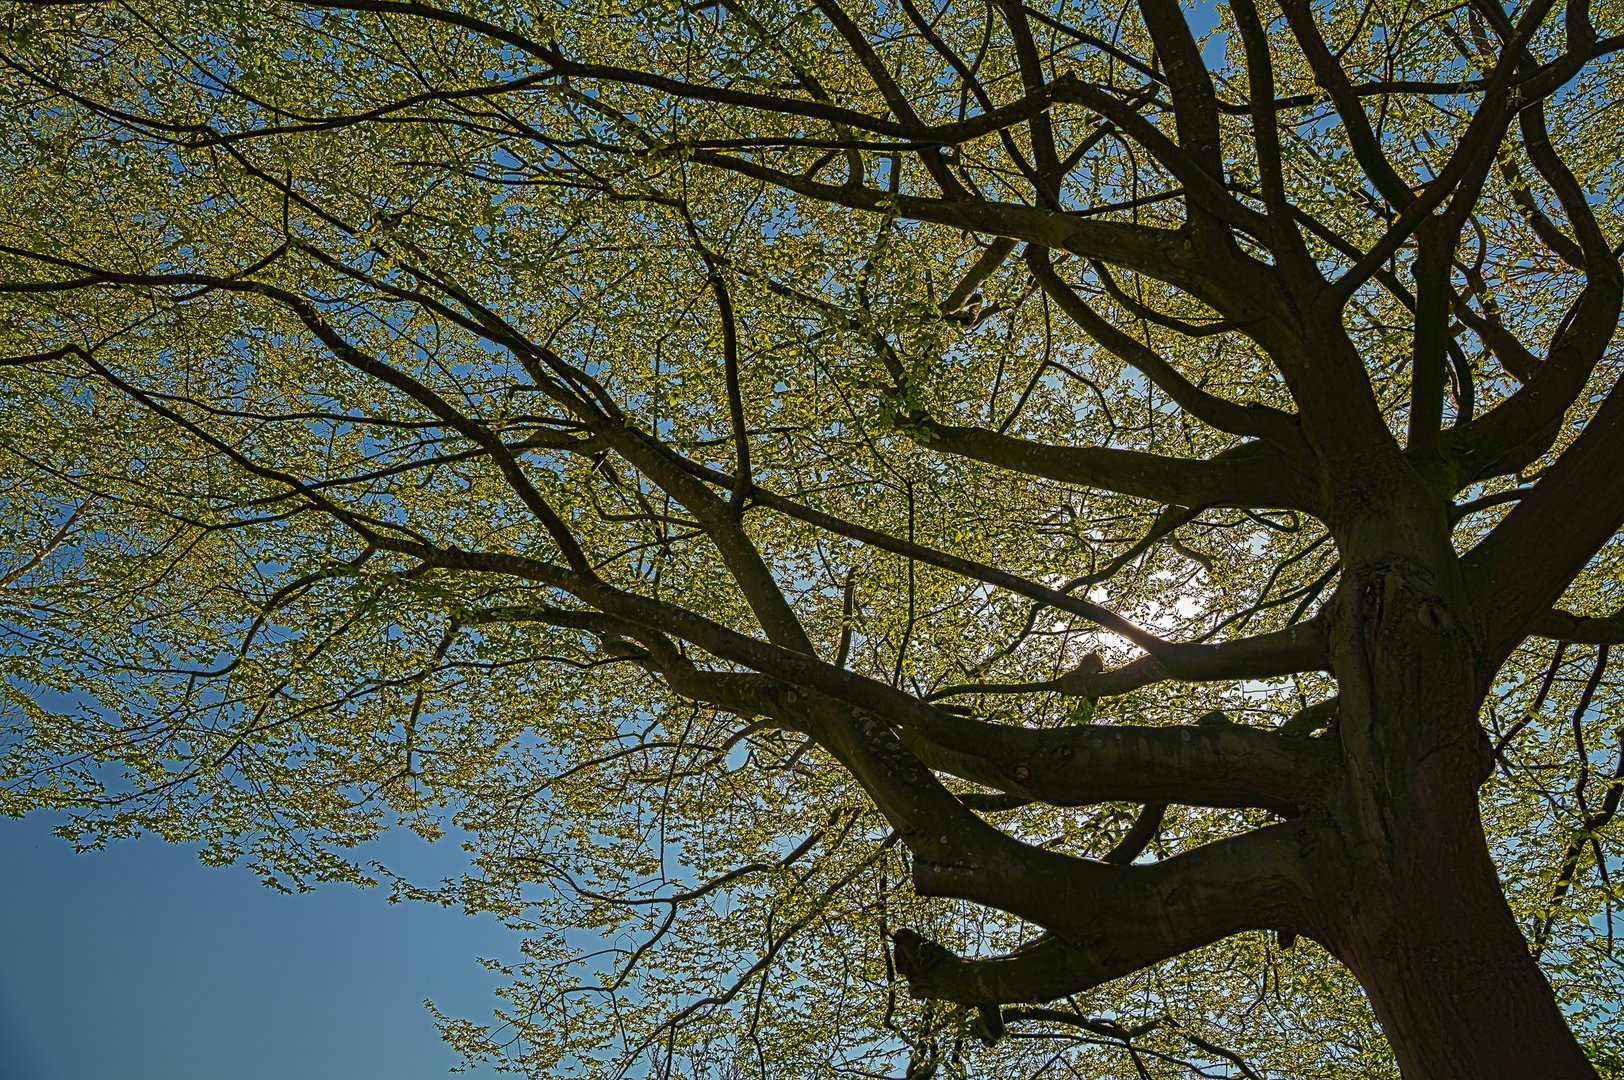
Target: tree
(909,538)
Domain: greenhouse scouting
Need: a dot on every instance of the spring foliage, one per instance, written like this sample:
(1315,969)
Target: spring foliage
(727,461)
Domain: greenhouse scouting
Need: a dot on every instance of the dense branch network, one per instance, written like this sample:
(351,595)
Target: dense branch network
(683,517)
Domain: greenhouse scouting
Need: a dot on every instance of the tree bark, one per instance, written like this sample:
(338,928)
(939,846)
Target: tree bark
(1421,918)
(1449,973)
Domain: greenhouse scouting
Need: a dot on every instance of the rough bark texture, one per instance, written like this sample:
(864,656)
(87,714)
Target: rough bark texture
(1427,931)
(1421,918)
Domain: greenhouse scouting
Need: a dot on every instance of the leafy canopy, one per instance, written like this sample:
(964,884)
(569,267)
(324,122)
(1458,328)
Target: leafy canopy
(713,457)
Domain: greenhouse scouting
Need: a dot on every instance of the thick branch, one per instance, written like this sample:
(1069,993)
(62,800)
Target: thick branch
(1195,102)
(1255,420)
(1110,921)
(1297,648)
(1252,475)
(1580,629)
(1157,253)
(1521,428)
(1328,73)
(1285,240)
(1204,765)
(1527,561)
(1062,600)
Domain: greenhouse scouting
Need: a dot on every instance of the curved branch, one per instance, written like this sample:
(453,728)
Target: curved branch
(1119,919)
(1251,475)
(1297,648)
(1527,561)
(1256,420)
(1157,253)
(1061,599)
(1214,765)
(1140,836)
(1226,765)
(1195,101)
(1580,629)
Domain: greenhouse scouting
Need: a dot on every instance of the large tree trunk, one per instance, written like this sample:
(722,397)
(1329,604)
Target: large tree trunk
(1421,918)
(1449,973)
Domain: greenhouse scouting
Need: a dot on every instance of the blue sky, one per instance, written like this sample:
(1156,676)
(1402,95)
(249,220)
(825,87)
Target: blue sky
(139,962)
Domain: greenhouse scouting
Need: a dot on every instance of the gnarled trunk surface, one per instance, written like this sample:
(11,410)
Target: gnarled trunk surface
(1421,918)
(1450,975)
